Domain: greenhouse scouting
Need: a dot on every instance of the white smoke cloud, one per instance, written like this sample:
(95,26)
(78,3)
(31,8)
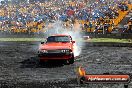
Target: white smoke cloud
(74,31)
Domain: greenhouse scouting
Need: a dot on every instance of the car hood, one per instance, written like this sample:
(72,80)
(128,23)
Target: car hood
(60,45)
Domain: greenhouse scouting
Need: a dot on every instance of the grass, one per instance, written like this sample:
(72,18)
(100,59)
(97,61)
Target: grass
(90,40)
(111,40)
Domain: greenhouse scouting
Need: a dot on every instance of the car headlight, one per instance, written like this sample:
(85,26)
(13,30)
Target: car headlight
(66,51)
(43,51)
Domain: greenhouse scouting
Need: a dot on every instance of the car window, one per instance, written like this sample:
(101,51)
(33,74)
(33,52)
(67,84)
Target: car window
(58,39)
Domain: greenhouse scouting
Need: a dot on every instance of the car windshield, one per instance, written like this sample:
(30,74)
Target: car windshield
(58,39)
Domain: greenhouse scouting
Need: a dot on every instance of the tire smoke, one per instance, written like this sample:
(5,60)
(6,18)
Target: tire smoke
(72,30)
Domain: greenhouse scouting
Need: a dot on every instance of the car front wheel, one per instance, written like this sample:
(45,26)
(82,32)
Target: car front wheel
(69,61)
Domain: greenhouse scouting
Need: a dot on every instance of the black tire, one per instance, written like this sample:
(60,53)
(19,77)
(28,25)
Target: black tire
(126,86)
(69,61)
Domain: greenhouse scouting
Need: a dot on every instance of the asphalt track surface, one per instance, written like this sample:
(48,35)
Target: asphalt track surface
(19,67)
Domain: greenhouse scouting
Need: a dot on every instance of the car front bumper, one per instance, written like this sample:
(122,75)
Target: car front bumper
(55,56)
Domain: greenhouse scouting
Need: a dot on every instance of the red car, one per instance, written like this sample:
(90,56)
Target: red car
(57,47)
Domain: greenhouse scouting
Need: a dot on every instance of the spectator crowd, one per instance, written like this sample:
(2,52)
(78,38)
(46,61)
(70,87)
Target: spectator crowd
(35,16)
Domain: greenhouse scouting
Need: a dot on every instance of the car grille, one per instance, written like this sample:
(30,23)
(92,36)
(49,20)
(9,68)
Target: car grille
(54,55)
(54,51)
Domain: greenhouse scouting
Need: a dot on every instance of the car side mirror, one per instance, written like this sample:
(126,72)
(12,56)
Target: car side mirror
(42,42)
(73,41)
